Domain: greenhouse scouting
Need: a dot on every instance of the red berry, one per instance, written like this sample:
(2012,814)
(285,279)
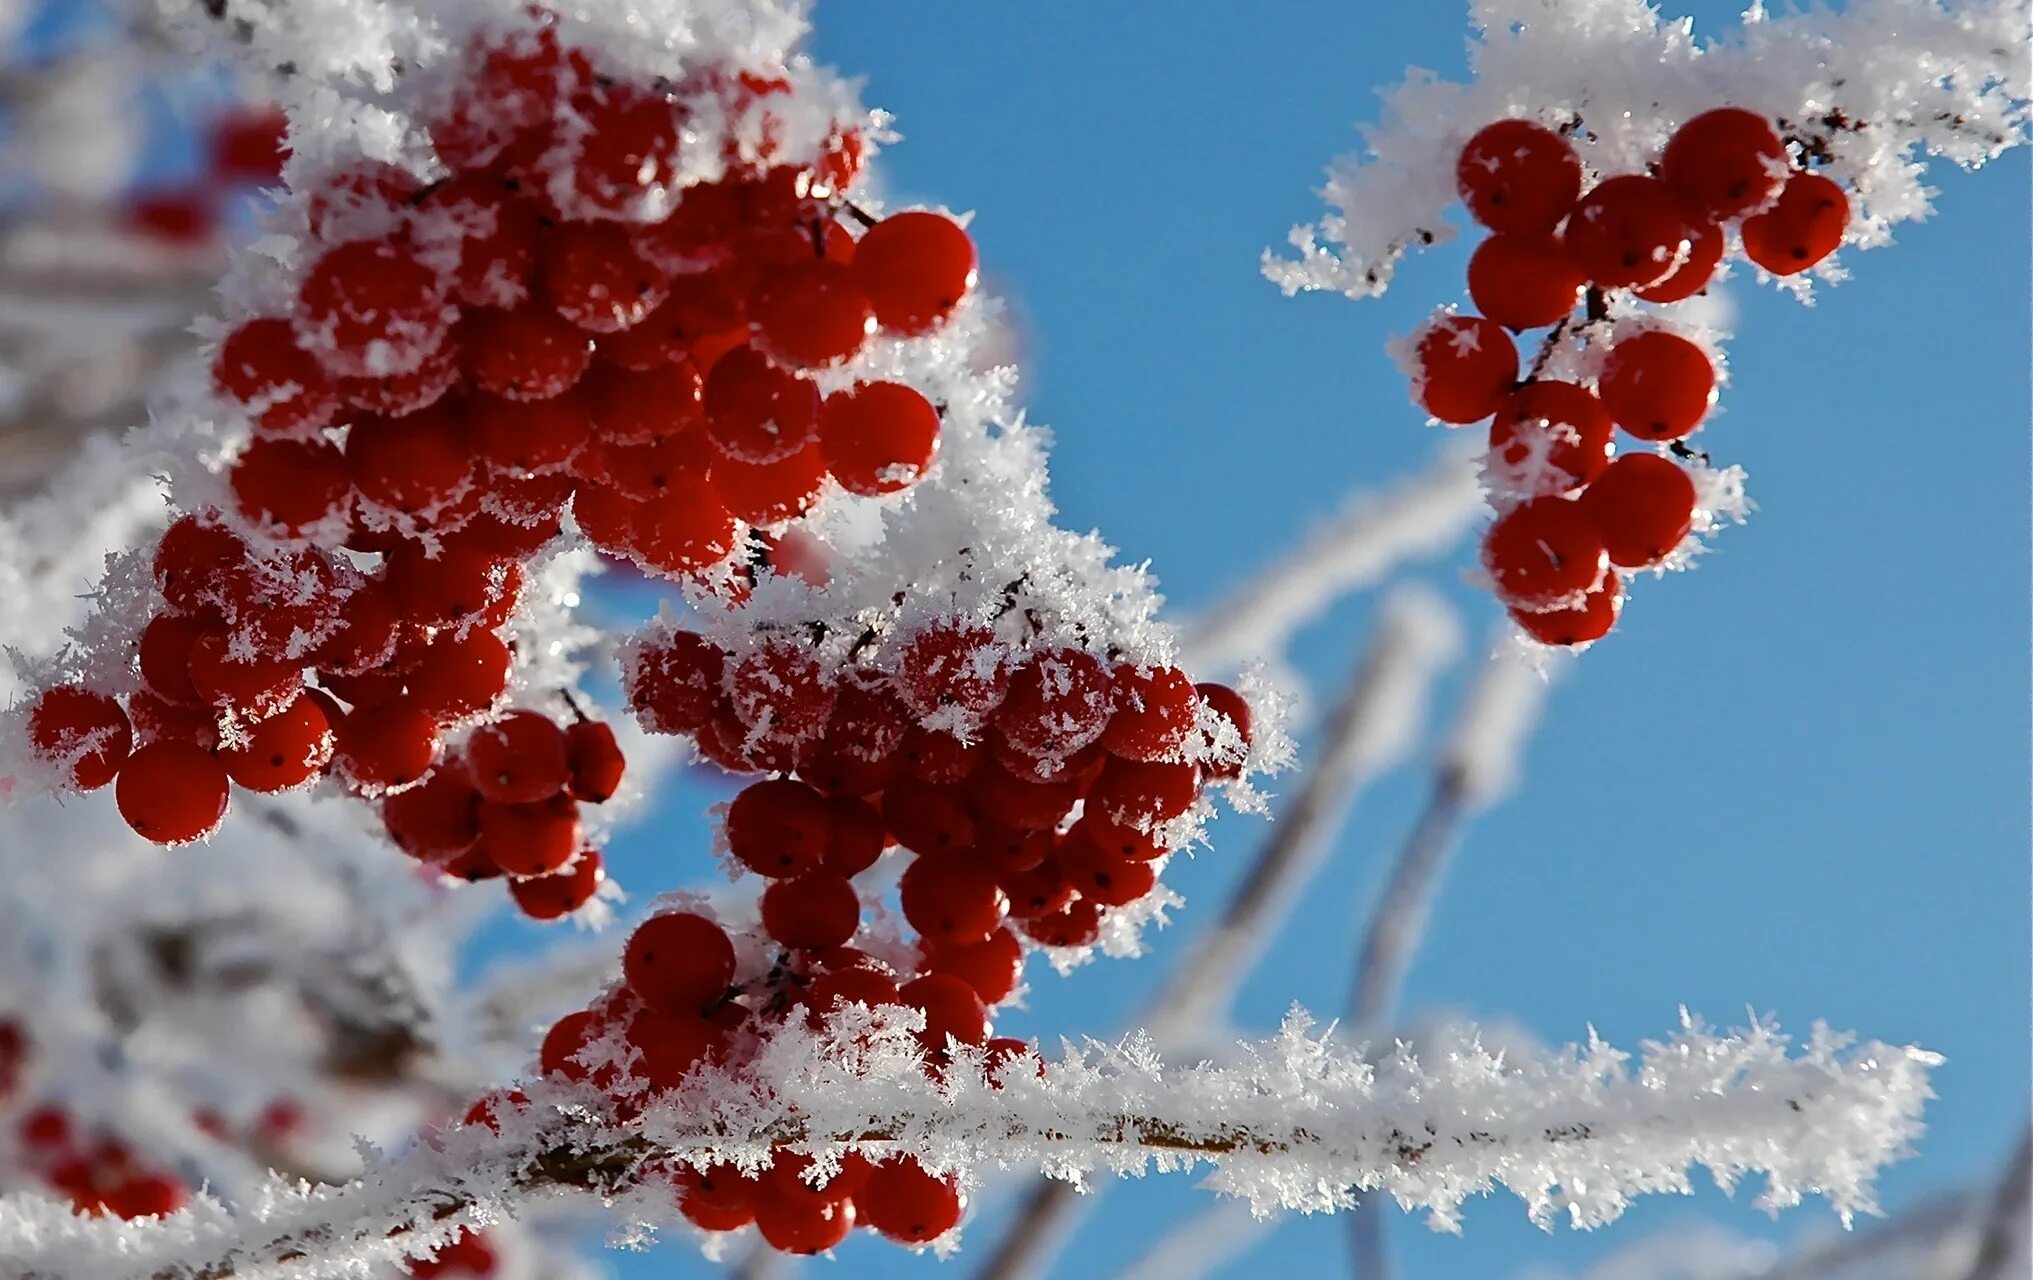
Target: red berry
(248,144)
(1803,227)
(226,676)
(935,756)
(1518,176)
(780,690)
(288,487)
(1543,553)
(816,910)
(779,827)
(1522,281)
(518,758)
(529,353)
(673,684)
(908,1205)
(165,652)
(385,747)
(562,1044)
(1037,890)
(855,835)
(1643,506)
(770,493)
(84,736)
(952,901)
(461,584)
(1155,708)
(460,676)
(1463,368)
(595,760)
(671,1045)
(991,966)
(1704,251)
(950,1007)
(466,1255)
(1105,877)
(172,792)
(436,820)
(1227,747)
(1628,231)
(399,394)
(683,530)
(1131,793)
(532,839)
(1077,924)
(929,820)
(1588,620)
(679,962)
(717,1199)
(499,233)
(627,145)
(914,267)
(794,1227)
(1723,164)
(1658,385)
(849,984)
(417,465)
(371,307)
(953,664)
(878,437)
(198,564)
(533,437)
(285,390)
(1550,437)
(635,407)
(594,278)
(1008,800)
(1058,702)
(677,463)
(1114,838)
(810,313)
(757,410)
(154,718)
(283,751)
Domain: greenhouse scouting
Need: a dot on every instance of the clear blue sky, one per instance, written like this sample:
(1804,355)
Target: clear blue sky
(1795,779)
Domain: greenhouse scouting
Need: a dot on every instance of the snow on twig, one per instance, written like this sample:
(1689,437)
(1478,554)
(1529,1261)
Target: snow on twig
(1298,1122)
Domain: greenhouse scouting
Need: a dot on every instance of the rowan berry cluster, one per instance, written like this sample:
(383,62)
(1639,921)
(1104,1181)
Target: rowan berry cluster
(1571,512)
(100,1174)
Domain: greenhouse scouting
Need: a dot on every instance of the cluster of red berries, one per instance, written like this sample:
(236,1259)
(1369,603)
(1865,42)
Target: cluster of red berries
(1568,510)
(403,655)
(535,330)
(98,1173)
(243,148)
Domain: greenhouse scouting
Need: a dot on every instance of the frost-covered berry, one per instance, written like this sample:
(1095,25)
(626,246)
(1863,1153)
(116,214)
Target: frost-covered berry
(673,685)
(1076,924)
(1518,176)
(1228,744)
(993,966)
(593,277)
(252,685)
(1154,711)
(878,437)
(372,307)
(914,268)
(625,145)
(1643,505)
(683,529)
(386,746)
(289,487)
(285,390)
(83,735)
(1543,552)
(1058,702)
(172,792)
(1802,227)
(769,493)
(1704,252)
(1588,620)
(528,353)
(286,750)
(1658,385)
(802,1229)
(678,962)
(1723,164)
(1463,368)
(951,1008)
(953,664)
(1627,232)
(1133,793)
(1549,437)
(781,691)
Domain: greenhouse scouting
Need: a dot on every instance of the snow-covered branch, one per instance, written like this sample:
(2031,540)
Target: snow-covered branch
(1359,546)
(1298,1122)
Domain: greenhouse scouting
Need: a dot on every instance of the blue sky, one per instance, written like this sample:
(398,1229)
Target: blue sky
(1794,780)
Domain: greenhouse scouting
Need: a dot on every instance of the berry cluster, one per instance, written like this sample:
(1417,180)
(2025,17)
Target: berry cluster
(98,1173)
(243,148)
(1570,513)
